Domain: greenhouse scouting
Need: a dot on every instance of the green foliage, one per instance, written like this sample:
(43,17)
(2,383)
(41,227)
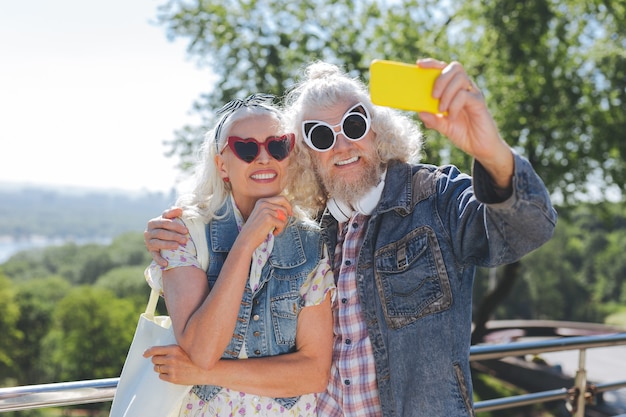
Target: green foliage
(11,335)
(79,264)
(47,307)
(129,249)
(542,64)
(127,282)
(618,317)
(493,388)
(37,300)
(553,72)
(262,46)
(579,275)
(90,335)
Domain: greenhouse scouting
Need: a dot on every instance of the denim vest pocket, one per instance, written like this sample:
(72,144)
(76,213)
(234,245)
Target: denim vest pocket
(411,278)
(285,309)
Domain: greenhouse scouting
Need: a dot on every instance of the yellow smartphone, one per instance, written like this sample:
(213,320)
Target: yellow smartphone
(403,86)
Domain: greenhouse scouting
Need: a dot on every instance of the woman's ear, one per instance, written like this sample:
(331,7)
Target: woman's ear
(221,166)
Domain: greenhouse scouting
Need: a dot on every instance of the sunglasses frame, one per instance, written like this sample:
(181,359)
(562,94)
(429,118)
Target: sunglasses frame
(350,112)
(232,140)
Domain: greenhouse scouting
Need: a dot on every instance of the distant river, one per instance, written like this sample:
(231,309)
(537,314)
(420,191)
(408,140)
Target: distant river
(9,245)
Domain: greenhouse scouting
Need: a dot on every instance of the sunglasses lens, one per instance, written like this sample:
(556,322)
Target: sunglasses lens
(246,151)
(322,137)
(279,148)
(355,126)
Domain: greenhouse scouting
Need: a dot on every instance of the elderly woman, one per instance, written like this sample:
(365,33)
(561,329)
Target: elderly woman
(262,307)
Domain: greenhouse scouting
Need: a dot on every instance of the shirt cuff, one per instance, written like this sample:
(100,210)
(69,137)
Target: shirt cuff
(485,188)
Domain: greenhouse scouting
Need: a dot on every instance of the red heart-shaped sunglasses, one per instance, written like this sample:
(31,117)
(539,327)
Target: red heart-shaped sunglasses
(248,149)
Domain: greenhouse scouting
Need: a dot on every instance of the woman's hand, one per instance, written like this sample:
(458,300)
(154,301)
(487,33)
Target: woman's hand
(269,215)
(174,365)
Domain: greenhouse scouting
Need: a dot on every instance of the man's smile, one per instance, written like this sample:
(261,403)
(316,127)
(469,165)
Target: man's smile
(347,161)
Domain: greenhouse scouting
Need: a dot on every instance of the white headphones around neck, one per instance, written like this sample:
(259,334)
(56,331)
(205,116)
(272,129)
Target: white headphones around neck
(342,211)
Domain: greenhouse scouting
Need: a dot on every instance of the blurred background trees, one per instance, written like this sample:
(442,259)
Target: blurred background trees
(553,73)
(554,76)
(57,328)
(74,322)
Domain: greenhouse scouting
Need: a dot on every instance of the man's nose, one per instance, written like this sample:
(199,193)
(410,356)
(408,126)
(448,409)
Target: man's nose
(341,141)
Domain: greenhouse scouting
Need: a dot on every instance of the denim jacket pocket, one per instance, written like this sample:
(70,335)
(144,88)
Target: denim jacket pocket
(411,278)
(464,390)
(285,309)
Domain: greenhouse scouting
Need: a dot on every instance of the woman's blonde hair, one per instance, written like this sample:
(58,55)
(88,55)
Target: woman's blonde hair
(209,191)
(398,138)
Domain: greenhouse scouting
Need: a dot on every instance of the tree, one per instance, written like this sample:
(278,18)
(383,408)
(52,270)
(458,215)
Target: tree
(129,249)
(553,72)
(11,335)
(90,335)
(579,275)
(127,282)
(36,299)
(76,263)
(545,67)
(79,264)
(255,46)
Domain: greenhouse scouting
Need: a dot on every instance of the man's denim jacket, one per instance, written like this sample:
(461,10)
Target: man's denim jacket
(267,317)
(415,273)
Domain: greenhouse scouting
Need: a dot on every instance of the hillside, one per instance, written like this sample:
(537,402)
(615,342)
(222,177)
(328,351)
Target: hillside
(29,211)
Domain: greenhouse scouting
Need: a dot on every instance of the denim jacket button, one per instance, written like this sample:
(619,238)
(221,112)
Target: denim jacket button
(255,317)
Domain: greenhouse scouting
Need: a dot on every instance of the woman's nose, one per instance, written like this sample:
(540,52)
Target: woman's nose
(264,156)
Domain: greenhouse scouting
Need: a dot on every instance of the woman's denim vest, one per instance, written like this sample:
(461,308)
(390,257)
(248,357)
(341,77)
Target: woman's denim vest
(415,271)
(268,317)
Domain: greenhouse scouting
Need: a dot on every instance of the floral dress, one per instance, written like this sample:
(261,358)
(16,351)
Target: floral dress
(230,403)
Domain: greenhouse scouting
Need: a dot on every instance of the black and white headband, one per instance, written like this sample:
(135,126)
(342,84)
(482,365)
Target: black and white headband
(254,100)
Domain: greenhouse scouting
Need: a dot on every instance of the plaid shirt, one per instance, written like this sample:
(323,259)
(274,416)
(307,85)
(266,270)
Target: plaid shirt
(352,390)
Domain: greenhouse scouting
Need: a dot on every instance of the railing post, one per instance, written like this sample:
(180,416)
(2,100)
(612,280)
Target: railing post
(581,383)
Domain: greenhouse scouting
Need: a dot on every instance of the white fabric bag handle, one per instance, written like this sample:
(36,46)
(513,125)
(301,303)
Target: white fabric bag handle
(152,304)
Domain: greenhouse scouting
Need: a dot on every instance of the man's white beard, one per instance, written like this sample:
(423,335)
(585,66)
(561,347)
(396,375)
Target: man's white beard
(337,186)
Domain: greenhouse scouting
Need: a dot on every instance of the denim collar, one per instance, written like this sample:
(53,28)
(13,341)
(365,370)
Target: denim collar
(397,192)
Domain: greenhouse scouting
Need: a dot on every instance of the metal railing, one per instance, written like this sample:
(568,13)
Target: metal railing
(103,390)
(580,391)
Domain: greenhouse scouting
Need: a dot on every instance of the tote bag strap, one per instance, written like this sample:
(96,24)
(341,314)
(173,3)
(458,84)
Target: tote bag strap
(152,303)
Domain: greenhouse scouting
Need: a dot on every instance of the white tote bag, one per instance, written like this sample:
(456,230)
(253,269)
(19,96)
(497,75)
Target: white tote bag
(140,392)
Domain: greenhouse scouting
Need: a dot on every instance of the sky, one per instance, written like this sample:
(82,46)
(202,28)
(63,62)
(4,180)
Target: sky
(89,91)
